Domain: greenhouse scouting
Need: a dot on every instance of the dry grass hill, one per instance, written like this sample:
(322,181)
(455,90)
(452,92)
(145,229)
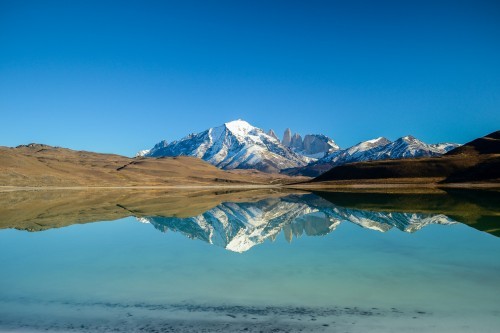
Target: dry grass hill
(37,165)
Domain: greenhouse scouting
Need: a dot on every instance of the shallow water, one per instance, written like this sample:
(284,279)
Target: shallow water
(286,263)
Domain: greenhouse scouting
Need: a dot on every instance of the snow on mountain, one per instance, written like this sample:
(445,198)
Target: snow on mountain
(142,153)
(409,146)
(239,145)
(443,148)
(371,150)
(360,152)
(234,145)
(381,148)
(240,226)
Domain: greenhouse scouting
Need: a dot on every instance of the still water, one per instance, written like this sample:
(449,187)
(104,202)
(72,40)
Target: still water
(249,262)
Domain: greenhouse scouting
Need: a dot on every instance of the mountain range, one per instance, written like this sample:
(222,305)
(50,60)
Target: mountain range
(239,145)
(373,150)
(243,150)
(476,161)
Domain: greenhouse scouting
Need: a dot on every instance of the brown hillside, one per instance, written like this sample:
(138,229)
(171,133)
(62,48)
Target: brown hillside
(41,165)
(489,144)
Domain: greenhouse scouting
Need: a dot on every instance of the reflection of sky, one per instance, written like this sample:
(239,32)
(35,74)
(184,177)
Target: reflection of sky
(436,268)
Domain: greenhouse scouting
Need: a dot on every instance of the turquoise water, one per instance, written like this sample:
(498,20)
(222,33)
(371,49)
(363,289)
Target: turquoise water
(293,264)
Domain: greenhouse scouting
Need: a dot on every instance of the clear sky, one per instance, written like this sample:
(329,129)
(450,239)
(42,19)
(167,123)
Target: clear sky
(119,76)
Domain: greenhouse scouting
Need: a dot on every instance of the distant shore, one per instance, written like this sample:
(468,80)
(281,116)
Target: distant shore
(340,186)
(147,187)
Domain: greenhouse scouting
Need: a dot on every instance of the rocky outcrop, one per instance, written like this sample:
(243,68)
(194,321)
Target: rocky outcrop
(313,145)
(296,142)
(287,138)
(272,134)
(317,143)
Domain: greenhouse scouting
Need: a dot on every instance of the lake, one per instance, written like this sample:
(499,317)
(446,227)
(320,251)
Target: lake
(249,261)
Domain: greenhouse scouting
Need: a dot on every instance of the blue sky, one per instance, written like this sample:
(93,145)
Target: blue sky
(120,76)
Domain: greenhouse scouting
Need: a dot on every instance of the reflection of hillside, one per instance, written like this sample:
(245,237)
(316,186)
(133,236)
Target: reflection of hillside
(240,226)
(478,209)
(40,210)
(238,220)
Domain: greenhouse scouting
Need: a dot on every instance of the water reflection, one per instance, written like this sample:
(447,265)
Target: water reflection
(240,226)
(126,277)
(239,220)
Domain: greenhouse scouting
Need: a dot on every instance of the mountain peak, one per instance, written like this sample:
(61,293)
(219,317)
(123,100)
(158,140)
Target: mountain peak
(287,137)
(234,145)
(378,140)
(409,138)
(272,134)
(239,125)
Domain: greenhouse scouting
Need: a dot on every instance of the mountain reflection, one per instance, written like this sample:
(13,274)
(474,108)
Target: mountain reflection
(239,226)
(240,219)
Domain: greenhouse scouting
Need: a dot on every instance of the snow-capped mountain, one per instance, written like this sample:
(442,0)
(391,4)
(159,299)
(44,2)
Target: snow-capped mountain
(234,145)
(372,150)
(239,145)
(360,152)
(381,149)
(409,146)
(240,226)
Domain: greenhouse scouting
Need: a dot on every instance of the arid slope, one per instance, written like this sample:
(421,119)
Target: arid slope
(38,165)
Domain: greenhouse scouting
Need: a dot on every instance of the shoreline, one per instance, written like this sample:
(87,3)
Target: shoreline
(402,186)
(340,187)
(145,187)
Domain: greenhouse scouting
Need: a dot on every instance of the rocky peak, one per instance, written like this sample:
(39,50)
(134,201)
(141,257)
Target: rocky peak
(272,134)
(318,143)
(296,141)
(162,144)
(409,139)
(287,138)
